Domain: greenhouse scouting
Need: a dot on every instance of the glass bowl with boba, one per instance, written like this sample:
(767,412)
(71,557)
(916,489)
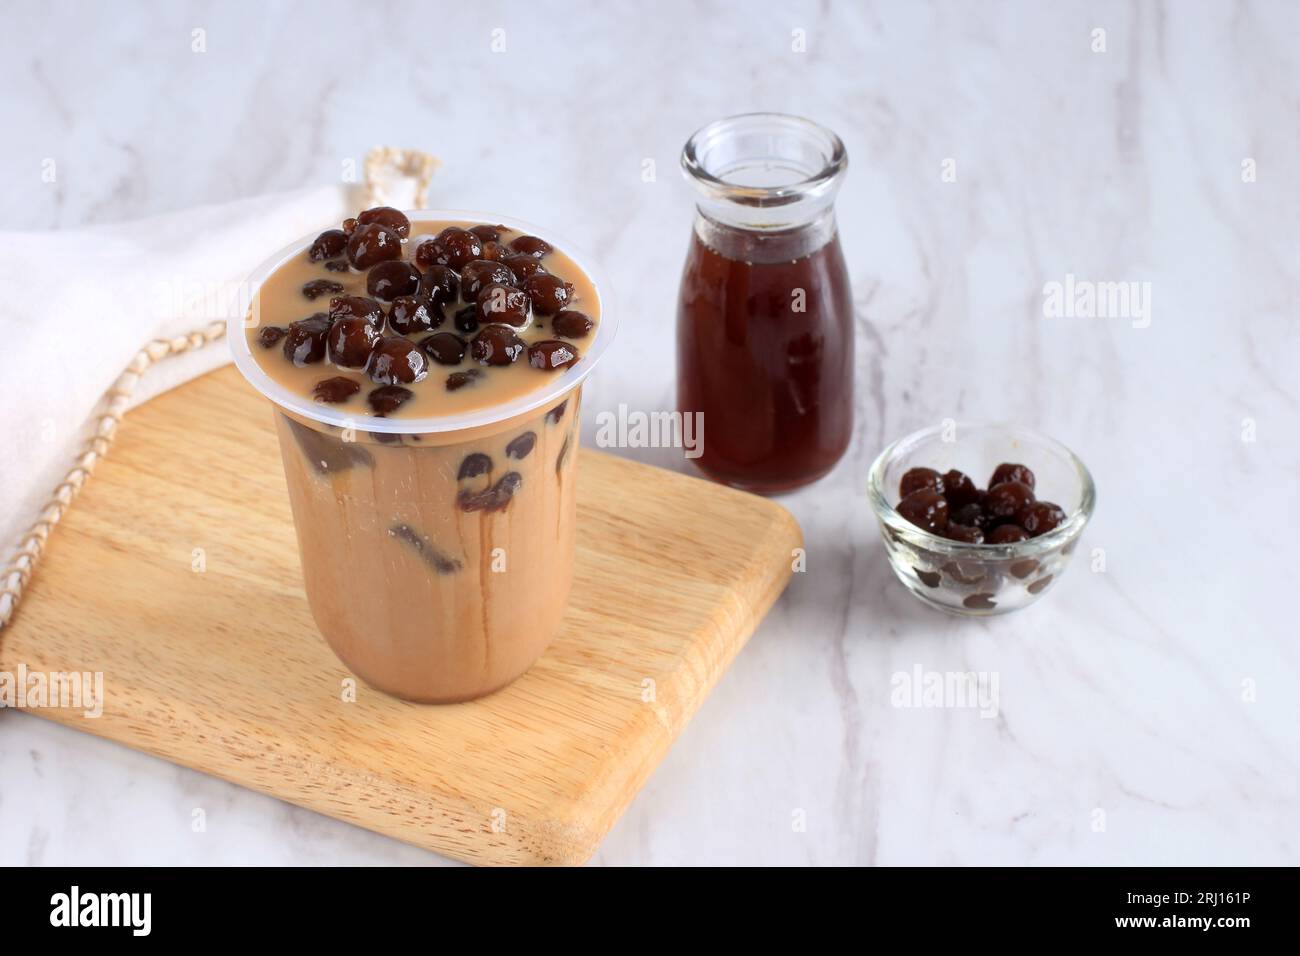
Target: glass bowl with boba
(972,545)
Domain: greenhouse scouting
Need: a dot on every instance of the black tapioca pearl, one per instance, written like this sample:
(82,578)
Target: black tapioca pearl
(389,398)
(441,283)
(929,578)
(925,508)
(548,293)
(1022,569)
(495,498)
(571,324)
(1011,472)
(475,464)
(414,313)
(522,266)
(551,354)
(530,246)
(426,549)
(520,446)
(445,348)
(372,244)
(556,413)
(959,490)
(914,479)
(979,602)
(334,390)
(270,335)
(388,217)
(304,343)
(326,454)
(327,245)
(1037,586)
(457,380)
(480,273)
(357,306)
(466,320)
(318,287)
(388,280)
(338,265)
(498,302)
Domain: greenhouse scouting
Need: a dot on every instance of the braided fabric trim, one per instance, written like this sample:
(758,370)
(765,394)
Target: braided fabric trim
(27,554)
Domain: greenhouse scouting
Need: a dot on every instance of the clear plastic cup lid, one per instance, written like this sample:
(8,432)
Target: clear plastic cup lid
(557,383)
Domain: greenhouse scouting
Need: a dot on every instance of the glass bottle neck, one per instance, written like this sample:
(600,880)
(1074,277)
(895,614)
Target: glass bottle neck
(744,243)
(765,185)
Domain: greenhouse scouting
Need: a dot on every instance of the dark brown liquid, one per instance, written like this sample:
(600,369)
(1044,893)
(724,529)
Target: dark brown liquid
(775,383)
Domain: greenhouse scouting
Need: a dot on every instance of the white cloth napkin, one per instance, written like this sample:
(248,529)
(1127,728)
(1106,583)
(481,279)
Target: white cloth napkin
(77,305)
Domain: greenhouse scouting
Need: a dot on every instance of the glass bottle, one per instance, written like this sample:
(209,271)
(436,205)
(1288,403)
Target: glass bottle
(765,314)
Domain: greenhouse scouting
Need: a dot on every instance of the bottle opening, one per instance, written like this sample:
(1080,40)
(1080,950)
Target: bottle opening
(764,159)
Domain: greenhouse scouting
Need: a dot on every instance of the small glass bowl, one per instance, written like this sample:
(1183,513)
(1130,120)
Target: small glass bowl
(980,580)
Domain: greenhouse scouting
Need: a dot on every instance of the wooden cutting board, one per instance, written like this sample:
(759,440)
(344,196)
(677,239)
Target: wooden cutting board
(215,663)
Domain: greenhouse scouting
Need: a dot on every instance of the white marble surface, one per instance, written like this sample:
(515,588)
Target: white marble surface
(1122,691)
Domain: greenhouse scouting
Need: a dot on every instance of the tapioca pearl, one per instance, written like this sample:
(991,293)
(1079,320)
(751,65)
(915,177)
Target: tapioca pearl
(318,287)
(530,246)
(959,489)
(271,334)
(1012,472)
(458,380)
(472,465)
(487,233)
(358,306)
(328,245)
(497,302)
(397,361)
(1022,569)
(1037,587)
(914,479)
(1003,502)
(414,313)
(445,348)
(332,391)
(571,324)
(441,283)
(1040,517)
(548,293)
(304,343)
(496,345)
(389,398)
(466,320)
(483,272)
(453,247)
(351,341)
(372,244)
(980,602)
(1006,534)
(494,498)
(521,445)
(551,354)
(388,217)
(523,266)
(388,280)
(972,515)
(930,579)
(925,508)
(967,534)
